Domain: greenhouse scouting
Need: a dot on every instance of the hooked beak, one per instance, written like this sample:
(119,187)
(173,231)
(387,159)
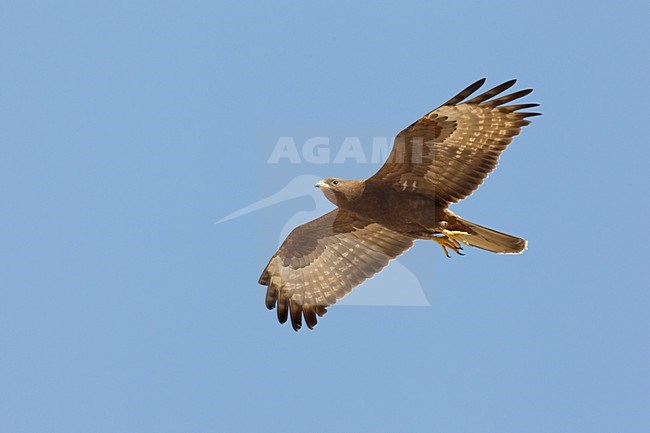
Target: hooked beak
(321,184)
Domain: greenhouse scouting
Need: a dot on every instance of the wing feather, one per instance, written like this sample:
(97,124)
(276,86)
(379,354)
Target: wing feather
(508,98)
(321,261)
(448,153)
(492,92)
(465,93)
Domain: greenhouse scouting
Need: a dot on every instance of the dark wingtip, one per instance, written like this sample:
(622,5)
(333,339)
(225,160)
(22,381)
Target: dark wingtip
(492,92)
(309,313)
(507,84)
(526,92)
(283,309)
(295,311)
(466,92)
(517,107)
(264,278)
(271,297)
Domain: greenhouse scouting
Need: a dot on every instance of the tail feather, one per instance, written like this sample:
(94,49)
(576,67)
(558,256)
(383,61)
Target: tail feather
(488,239)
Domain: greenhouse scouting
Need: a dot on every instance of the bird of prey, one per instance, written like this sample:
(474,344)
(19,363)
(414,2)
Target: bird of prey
(440,159)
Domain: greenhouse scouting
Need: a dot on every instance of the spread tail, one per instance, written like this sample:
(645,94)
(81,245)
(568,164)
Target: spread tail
(488,239)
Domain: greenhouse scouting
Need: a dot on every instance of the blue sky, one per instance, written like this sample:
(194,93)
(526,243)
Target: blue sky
(129,128)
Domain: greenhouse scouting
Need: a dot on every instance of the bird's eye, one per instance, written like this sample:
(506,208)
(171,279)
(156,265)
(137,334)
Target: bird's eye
(335,182)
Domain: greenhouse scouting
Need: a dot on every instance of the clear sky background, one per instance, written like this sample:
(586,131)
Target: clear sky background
(129,128)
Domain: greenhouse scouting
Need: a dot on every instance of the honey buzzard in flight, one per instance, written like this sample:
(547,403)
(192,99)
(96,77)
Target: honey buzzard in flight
(438,160)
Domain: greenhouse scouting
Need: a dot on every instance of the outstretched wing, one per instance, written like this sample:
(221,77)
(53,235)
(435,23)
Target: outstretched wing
(450,151)
(323,260)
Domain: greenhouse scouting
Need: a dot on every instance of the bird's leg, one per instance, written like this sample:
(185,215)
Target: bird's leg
(446,242)
(456,236)
(452,240)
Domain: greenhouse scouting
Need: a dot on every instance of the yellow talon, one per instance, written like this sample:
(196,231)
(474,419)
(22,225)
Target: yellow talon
(456,236)
(446,242)
(451,240)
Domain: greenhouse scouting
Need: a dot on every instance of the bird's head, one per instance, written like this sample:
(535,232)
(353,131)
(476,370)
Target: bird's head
(340,191)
